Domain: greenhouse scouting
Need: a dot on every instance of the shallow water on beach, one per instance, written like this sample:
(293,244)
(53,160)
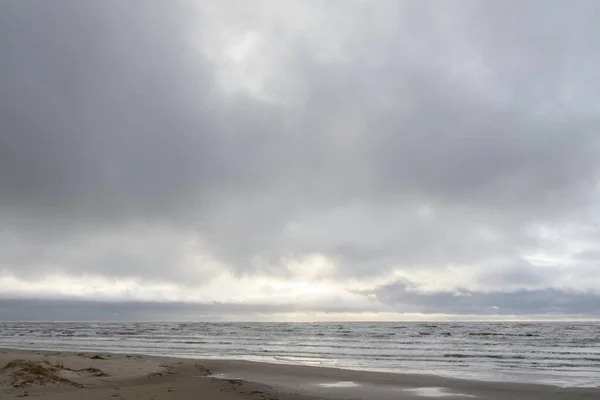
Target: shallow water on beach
(564,354)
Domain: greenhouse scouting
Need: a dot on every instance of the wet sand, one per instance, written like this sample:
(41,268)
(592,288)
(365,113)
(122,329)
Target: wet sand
(61,375)
(345,384)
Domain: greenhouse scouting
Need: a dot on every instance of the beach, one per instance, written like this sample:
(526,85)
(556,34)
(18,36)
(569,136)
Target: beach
(62,375)
(557,354)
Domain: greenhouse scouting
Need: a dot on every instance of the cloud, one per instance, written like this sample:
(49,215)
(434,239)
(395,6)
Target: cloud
(177,142)
(69,310)
(404,297)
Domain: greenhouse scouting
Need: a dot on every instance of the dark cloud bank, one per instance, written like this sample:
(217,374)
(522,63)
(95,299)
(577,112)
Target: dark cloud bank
(395,136)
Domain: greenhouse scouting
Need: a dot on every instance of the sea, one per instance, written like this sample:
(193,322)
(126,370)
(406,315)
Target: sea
(565,354)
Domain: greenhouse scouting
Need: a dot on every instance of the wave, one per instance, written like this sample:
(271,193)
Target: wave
(494,356)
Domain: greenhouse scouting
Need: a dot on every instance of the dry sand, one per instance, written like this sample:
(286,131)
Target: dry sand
(61,375)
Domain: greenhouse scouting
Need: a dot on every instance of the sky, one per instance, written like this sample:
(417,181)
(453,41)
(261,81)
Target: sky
(299,159)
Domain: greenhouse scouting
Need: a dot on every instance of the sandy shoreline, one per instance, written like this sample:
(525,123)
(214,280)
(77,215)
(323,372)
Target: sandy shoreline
(62,375)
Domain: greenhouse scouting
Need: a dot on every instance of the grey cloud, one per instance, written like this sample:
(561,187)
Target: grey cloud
(69,310)
(100,116)
(112,122)
(404,297)
(588,255)
(514,273)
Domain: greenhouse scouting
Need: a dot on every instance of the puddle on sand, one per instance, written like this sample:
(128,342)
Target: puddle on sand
(435,392)
(343,384)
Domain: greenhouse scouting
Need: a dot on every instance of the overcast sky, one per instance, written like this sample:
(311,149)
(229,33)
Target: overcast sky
(357,159)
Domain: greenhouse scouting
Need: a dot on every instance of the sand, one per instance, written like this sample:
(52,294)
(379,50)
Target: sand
(62,375)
